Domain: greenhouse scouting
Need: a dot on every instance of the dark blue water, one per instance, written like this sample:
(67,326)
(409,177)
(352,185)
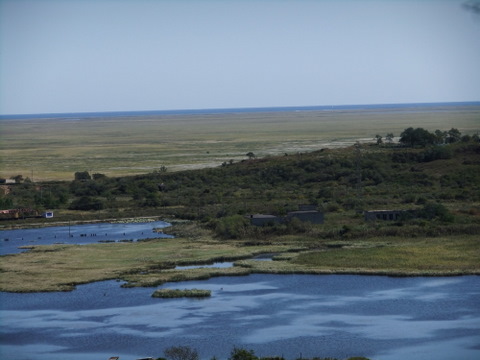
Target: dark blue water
(87,115)
(291,315)
(12,240)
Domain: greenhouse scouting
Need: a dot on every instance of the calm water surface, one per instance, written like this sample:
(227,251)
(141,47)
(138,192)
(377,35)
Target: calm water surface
(291,315)
(11,240)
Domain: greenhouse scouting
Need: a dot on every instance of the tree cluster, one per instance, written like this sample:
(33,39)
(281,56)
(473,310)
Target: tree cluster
(420,137)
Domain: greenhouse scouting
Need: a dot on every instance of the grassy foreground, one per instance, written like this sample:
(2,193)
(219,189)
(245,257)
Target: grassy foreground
(152,263)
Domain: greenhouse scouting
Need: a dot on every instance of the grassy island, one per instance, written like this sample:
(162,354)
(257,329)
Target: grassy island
(177,293)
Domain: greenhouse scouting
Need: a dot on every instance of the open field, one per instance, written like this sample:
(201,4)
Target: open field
(54,149)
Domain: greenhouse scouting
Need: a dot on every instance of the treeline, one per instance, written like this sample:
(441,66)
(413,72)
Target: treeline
(421,137)
(188,353)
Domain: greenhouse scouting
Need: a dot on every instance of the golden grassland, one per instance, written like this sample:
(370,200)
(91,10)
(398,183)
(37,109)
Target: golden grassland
(54,149)
(152,263)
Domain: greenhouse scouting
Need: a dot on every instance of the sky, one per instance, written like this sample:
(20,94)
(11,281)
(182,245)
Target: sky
(59,56)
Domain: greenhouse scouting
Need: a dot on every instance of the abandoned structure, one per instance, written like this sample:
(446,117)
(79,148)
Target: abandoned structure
(387,215)
(262,220)
(307,213)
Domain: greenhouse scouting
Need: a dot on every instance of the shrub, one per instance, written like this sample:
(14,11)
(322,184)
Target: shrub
(87,203)
(436,153)
(432,211)
(231,227)
(242,354)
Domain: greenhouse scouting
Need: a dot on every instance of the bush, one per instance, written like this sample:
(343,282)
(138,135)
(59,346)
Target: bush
(232,227)
(432,211)
(436,153)
(87,203)
(242,354)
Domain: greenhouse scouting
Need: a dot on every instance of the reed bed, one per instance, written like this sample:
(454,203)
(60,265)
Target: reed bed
(177,293)
(145,263)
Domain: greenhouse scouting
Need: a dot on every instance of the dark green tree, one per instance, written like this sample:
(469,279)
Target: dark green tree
(417,137)
(453,136)
(82,175)
(440,136)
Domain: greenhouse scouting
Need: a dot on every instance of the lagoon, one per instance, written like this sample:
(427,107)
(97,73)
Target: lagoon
(382,318)
(12,240)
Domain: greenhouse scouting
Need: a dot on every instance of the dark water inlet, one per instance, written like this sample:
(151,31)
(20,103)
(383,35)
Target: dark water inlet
(11,240)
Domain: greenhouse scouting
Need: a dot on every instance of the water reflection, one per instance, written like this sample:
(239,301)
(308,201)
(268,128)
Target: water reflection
(336,316)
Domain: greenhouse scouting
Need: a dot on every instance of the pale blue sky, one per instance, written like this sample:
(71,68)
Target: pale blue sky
(120,55)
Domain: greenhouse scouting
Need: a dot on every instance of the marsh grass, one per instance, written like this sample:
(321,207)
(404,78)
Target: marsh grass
(177,293)
(451,255)
(61,267)
(152,263)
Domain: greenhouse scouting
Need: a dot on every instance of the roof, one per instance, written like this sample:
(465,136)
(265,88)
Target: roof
(304,212)
(262,216)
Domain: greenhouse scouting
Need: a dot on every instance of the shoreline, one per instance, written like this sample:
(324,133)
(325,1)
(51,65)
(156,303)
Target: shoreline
(61,267)
(172,276)
(392,274)
(128,220)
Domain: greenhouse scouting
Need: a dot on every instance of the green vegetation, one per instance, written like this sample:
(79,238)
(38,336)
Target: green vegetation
(177,293)
(397,256)
(145,263)
(438,184)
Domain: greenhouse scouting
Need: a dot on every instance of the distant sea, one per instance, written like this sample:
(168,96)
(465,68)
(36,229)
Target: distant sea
(391,107)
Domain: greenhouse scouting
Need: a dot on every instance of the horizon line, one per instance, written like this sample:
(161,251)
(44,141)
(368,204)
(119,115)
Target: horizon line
(193,111)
